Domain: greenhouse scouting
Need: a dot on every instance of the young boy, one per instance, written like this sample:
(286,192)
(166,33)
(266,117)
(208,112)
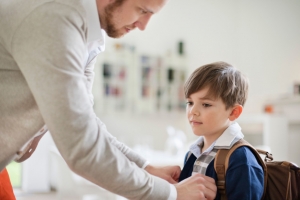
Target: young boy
(216,94)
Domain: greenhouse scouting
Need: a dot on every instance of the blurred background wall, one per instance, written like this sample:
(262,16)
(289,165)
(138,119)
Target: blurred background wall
(261,38)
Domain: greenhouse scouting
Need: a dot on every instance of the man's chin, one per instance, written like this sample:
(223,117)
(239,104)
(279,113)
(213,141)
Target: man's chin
(115,34)
(119,36)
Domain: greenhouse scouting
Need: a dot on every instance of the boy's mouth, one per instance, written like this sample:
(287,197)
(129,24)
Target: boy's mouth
(193,122)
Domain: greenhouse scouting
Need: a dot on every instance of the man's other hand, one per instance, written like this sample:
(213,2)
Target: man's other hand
(169,173)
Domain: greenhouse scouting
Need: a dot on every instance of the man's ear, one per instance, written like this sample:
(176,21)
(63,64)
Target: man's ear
(235,112)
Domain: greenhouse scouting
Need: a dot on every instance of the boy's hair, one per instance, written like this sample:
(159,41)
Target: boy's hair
(223,80)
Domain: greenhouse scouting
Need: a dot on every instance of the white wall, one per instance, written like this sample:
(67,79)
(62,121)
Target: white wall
(261,38)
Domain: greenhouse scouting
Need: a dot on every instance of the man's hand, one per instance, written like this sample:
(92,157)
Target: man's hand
(196,187)
(169,173)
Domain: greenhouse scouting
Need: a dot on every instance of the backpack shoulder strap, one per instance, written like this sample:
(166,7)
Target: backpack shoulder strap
(221,164)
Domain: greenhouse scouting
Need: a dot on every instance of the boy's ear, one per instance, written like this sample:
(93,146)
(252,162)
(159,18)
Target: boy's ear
(235,112)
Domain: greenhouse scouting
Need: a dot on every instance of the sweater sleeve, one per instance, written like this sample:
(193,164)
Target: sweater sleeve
(128,152)
(49,48)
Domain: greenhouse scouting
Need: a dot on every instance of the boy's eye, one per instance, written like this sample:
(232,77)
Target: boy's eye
(206,105)
(189,103)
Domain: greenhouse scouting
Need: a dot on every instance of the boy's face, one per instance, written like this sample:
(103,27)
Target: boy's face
(208,117)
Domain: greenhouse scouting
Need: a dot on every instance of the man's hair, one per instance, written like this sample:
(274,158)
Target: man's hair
(223,81)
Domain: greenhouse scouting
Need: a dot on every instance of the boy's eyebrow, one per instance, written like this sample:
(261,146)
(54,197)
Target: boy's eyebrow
(207,97)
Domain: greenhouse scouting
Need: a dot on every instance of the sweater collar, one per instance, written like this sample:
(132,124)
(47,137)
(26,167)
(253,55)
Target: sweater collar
(95,33)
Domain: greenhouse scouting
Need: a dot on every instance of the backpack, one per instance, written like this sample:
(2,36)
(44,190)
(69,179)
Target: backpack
(281,178)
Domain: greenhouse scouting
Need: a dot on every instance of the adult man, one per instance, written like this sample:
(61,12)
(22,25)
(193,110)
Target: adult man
(47,50)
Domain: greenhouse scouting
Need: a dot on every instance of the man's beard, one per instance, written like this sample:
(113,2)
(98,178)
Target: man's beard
(111,30)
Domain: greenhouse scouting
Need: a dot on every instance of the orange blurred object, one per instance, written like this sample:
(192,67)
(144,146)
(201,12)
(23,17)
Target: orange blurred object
(269,109)
(6,190)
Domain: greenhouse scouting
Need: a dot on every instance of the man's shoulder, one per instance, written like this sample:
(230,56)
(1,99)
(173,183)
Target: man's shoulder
(75,4)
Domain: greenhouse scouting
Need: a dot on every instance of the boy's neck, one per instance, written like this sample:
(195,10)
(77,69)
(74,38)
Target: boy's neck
(209,139)
(206,144)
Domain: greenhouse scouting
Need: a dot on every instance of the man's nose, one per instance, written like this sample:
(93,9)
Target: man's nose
(142,22)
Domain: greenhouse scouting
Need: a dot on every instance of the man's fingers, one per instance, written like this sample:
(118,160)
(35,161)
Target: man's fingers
(206,185)
(209,179)
(209,183)
(195,187)
(172,181)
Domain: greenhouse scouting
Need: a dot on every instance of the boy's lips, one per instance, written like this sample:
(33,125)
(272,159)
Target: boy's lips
(193,122)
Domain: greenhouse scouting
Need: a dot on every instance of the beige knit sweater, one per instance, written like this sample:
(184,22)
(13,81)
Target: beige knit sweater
(42,48)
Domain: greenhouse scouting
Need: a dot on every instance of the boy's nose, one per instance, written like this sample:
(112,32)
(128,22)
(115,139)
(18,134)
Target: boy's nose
(194,111)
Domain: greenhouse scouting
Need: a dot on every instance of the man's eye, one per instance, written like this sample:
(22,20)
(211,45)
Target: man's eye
(206,105)
(143,11)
